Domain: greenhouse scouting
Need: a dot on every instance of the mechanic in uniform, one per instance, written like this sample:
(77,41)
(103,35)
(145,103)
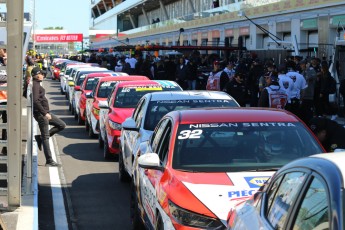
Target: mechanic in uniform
(217,79)
(273,96)
(329,132)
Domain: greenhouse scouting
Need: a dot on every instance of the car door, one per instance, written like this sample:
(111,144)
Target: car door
(313,211)
(131,138)
(149,179)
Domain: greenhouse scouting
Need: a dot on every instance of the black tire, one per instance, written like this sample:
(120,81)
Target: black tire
(80,121)
(69,107)
(76,115)
(100,141)
(159,222)
(61,91)
(91,133)
(66,95)
(136,221)
(123,175)
(87,125)
(106,152)
(72,109)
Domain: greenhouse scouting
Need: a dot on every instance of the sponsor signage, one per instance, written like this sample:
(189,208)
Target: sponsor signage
(309,23)
(49,38)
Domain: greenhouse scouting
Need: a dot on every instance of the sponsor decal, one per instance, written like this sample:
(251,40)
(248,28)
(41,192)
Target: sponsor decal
(239,194)
(252,124)
(58,37)
(256,182)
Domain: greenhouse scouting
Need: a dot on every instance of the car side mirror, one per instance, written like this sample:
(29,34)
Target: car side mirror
(89,95)
(150,161)
(77,88)
(129,124)
(103,105)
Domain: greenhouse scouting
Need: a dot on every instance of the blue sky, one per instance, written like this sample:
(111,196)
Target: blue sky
(72,15)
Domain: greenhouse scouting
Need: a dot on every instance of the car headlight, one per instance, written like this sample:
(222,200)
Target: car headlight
(187,218)
(114,125)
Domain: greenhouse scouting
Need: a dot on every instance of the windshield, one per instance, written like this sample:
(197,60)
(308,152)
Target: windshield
(91,82)
(105,88)
(128,97)
(233,147)
(157,109)
(80,79)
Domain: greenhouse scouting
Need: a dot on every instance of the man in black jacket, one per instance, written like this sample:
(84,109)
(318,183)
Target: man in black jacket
(330,133)
(44,117)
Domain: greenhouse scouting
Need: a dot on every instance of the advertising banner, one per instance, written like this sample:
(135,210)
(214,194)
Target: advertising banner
(48,38)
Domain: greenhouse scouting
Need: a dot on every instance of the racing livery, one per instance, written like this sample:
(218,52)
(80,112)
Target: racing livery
(87,86)
(150,109)
(100,93)
(198,163)
(122,102)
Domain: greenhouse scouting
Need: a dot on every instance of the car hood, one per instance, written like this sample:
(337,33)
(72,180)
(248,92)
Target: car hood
(120,114)
(219,192)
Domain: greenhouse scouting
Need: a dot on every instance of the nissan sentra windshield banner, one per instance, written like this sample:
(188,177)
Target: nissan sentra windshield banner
(58,37)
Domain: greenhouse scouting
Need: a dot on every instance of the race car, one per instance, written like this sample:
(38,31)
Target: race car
(87,86)
(67,72)
(307,193)
(78,80)
(198,163)
(121,104)
(150,109)
(100,93)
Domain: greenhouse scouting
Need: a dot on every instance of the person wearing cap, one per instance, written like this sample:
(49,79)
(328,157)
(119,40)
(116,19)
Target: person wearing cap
(43,116)
(330,133)
(237,89)
(217,79)
(273,96)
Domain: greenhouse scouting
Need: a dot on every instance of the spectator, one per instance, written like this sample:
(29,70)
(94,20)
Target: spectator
(307,98)
(192,74)
(255,72)
(230,70)
(322,105)
(342,92)
(3,101)
(330,133)
(181,73)
(237,89)
(44,117)
(3,57)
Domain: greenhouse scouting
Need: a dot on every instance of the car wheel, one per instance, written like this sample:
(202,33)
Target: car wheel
(76,115)
(159,222)
(100,141)
(69,107)
(91,133)
(136,221)
(123,175)
(61,91)
(72,109)
(66,95)
(80,121)
(87,125)
(106,152)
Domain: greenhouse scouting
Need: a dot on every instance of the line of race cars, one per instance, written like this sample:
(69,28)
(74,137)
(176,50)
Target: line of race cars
(190,156)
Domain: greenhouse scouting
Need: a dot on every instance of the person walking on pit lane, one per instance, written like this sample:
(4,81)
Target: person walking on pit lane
(237,89)
(330,133)
(44,117)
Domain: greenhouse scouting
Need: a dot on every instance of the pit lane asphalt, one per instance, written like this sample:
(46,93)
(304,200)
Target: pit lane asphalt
(94,196)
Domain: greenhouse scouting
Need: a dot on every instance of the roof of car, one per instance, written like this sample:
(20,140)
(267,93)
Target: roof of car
(189,94)
(211,115)
(122,78)
(146,82)
(337,158)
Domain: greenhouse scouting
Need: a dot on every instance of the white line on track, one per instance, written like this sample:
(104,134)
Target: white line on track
(60,218)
